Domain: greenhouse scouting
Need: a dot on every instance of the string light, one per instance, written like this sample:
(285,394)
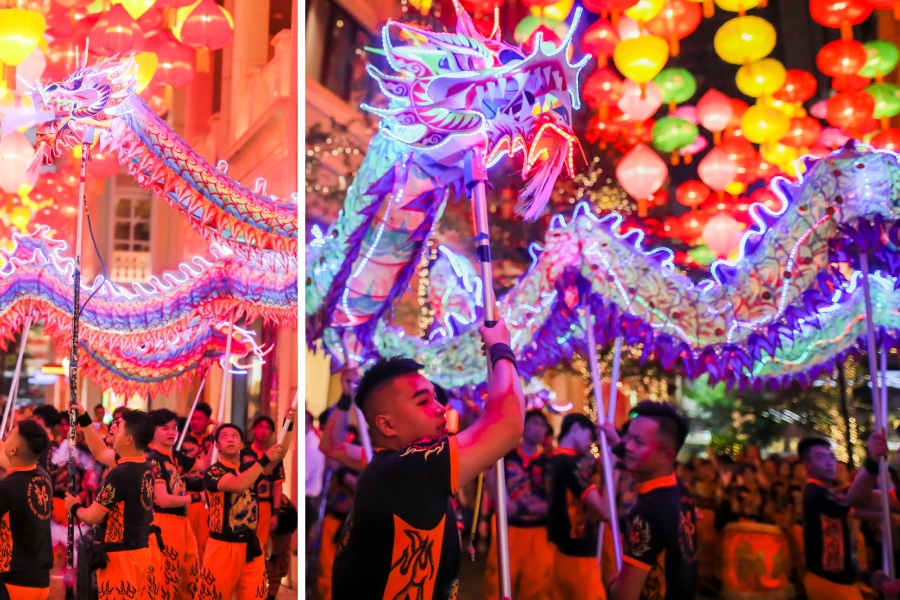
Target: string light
(426,311)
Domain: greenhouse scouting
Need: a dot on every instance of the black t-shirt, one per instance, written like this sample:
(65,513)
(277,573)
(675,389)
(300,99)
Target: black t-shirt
(524,483)
(127,496)
(26,550)
(339,499)
(265,482)
(232,515)
(661,537)
(195,446)
(570,526)
(170,468)
(826,534)
(400,539)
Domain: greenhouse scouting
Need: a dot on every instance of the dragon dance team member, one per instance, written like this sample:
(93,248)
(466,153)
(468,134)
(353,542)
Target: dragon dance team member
(123,510)
(268,487)
(530,550)
(660,551)
(26,549)
(180,562)
(575,509)
(197,444)
(401,537)
(233,562)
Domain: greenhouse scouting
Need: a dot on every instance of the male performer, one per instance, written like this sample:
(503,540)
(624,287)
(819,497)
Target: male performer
(575,508)
(26,550)
(99,416)
(268,486)
(530,551)
(660,551)
(179,562)
(198,443)
(124,510)
(401,536)
(233,562)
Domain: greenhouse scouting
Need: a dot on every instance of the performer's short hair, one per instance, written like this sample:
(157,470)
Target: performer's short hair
(263,418)
(810,442)
(140,426)
(382,372)
(224,426)
(572,419)
(440,394)
(538,414)
(673,423)
(34,435)
(48,414)
(162,416)
(203,407)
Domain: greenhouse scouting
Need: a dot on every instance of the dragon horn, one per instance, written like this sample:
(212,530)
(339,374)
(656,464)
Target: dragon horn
(464,24)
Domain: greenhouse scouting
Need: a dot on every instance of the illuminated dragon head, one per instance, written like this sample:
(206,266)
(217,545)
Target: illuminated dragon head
(92,96)
(454,92)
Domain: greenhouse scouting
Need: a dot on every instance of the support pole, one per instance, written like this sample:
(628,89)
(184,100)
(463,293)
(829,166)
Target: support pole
(476,184)
(614,387)
(887,548)
(14,387)
(226,379)
(87,140)
(187,424)
(364,436)
(287,422)
(605,453)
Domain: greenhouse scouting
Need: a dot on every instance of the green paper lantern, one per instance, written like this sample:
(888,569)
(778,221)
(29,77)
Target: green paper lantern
(676,85)
(528,26)
(887,99)
(702,255)
(882,58)
(673,133)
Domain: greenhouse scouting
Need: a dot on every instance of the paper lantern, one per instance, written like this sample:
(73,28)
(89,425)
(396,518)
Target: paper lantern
(841,57)
(677,20)
(850,83)
(881,59)
(840,14)
(174,60)
(640,173)
(208,27)
(862,128)
(644,10)
(738,6)
(831,137)
(687,112)
(671,134)
(738,108)
(744,40)
(690,225)
(892,5)
(738,149)
(137,8)
(762,77)
(722,234)
(767,198)
(600,40)
(799,86)
(15,158)
(116,33)
(717,170)
(802,132)
(887,101)
(637,105)
(628,29)
(551,30)
(761,124)
(692,193)
(641,59)
(676,86)
(20,32)
(848,109)
(714,112)
(555,10)
(151,20)
(601,90)
(778,154)
(613,8)
(146,67)
(698,146)
(888,139)
(29,71)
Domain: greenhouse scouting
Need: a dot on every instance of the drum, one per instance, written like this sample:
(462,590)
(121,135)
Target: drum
(757,563)
(709,557)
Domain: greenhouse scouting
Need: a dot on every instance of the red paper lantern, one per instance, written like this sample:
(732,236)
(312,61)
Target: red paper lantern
(103,164)
(207,28)
(601,90)
(689,226)
(641,173)
(116,33)
(609,7)
(767,198)
(841,57)
(799,86)
(889,139)
(717,170)
(893,5)
(151,20)
(862,128)
(714,112)
(737,149)
(803,132)
(692,193)
(840,14)
(174,66)
(847,110)
(722,234)
(738,108)
(677,20)
(640,104)
(766,170)
(600,40)
(850,83)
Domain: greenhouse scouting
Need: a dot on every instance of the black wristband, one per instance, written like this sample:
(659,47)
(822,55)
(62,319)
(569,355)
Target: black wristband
(195,497)
(84,420)
(264,461)
(345,402)
(501,351)
(74,510)
(871,466)
(291,426)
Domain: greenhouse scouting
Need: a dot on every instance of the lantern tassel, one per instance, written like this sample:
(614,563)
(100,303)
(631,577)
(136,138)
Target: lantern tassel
(674,48)
(709,9)
(885,122)
(643,90)
(642,207)
(614,16)
(602,60)
(203,60)
(168,96)
(688,158)
(846,30)
(672,106)
(674,158)
(604,110)
(717,137)
(897,9)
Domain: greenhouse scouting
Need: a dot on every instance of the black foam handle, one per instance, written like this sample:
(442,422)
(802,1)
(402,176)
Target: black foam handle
(490,324)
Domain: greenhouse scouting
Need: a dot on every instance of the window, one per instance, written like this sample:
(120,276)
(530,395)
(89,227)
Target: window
(131,240)
(344,59)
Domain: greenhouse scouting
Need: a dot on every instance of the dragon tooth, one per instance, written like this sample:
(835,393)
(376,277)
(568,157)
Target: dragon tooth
(557,79)
(491,89)
(501,82)
(546,73)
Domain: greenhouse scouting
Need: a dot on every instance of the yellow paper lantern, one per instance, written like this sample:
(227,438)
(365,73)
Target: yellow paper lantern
(762,124)
(761,78)
(744,40)
(642,58)
(559,11)
(645,10)
(20,32)
(146,67)
(20,217)
(790,109)
(738,6)
(136,8)
(735,188)
(778,154)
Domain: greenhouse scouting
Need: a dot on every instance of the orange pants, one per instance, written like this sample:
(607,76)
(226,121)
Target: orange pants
(530,563)
(179,559)
(17,592)
(576,578)
(331,525)
(226,571)
(262,525)
(822,589)
(128,575)
(198,515)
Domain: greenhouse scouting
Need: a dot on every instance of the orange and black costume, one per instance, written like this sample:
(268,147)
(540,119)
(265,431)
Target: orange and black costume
(233,562)
(264,493)
(26,549)
(198,513)
(401,539)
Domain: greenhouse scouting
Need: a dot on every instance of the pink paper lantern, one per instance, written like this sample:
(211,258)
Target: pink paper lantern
(831,137)
(637,108)
(714,111)
(717,170)
(688,112)
(722,234)
(641,173)
(16,153)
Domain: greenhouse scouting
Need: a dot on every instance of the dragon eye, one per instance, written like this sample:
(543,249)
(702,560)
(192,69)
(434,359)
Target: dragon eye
(507,56)
(51,88)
